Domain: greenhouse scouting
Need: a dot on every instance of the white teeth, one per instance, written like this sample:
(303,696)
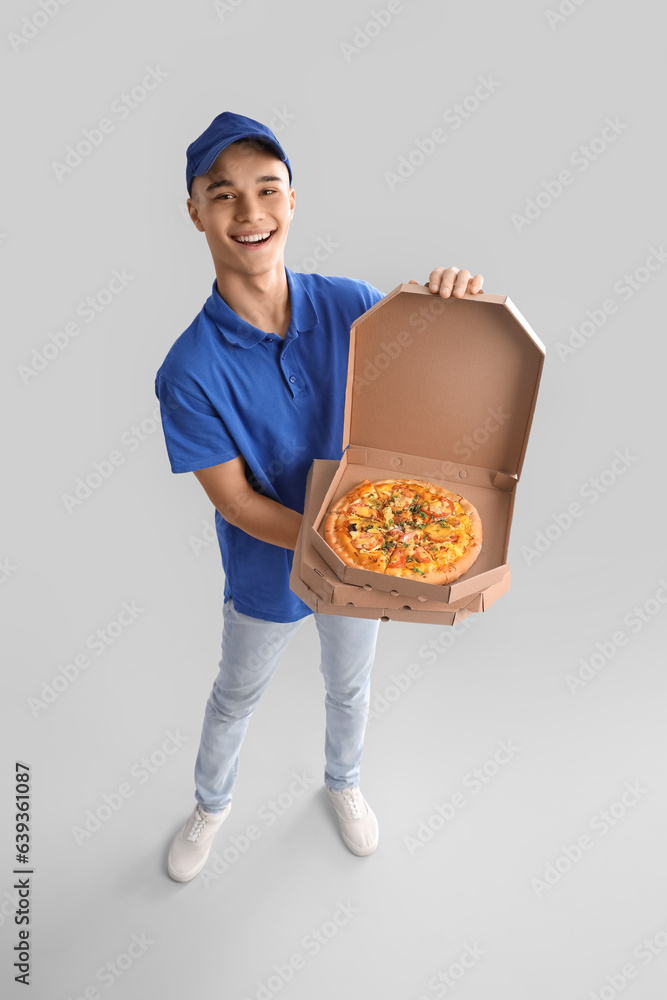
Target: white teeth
(252,239)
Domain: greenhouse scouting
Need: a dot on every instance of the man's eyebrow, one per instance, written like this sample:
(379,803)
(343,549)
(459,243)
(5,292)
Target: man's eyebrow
(264,179)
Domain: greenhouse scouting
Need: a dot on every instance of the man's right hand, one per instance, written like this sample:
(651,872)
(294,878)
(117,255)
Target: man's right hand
(233,497)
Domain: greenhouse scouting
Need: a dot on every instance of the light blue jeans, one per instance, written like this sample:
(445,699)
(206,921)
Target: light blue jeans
(251,650)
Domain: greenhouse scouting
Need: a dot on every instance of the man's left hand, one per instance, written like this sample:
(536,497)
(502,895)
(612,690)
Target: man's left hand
(446,281)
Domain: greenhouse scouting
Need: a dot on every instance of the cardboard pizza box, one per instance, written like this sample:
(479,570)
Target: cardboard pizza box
(316,603)
(319,576)
(354,608)
(442,390)
(319,587)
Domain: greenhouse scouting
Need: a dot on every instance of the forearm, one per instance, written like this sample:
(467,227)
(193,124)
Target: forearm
(264,518)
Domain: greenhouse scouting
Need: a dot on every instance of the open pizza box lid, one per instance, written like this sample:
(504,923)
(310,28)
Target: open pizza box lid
(442,390)
(317,585)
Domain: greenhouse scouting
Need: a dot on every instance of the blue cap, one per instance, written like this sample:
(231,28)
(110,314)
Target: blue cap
(223,130)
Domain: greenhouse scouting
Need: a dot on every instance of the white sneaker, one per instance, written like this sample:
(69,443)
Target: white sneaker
(190,847)
(358,823)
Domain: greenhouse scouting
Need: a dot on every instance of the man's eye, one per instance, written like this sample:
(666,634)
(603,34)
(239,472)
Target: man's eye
(269,191)
(219,196)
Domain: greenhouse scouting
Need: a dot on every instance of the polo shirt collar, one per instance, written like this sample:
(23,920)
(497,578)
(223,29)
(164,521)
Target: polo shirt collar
(238,331)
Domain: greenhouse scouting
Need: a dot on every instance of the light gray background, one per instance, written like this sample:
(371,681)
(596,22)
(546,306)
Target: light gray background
(345,123)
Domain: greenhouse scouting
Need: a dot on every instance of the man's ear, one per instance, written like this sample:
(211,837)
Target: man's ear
(194,214)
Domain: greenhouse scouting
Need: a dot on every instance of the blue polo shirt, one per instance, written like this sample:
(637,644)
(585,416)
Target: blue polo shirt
(226,389)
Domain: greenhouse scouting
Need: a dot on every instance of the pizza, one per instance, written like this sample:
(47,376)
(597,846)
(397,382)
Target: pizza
(405,528)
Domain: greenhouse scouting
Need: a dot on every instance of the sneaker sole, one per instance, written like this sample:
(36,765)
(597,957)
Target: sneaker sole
(186,876)
(361,852)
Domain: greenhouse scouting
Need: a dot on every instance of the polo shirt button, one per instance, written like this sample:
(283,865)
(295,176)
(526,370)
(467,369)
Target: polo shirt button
(292,379)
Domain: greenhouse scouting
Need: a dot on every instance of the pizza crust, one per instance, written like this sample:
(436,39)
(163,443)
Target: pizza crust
(341,544)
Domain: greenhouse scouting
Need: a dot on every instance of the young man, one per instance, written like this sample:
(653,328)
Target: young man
(250,394)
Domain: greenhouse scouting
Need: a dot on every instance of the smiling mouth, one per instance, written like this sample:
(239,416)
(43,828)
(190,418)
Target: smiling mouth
(255,240)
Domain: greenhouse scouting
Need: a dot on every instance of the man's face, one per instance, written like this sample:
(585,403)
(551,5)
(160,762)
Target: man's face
(246,193)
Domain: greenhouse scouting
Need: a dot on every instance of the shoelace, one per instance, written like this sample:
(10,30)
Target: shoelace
(197,827)
(353,801)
